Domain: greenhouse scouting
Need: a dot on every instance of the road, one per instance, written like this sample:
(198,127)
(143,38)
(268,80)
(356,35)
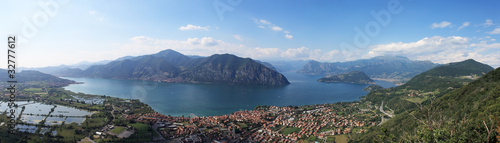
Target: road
(155,128)
(382,110)
(113,112)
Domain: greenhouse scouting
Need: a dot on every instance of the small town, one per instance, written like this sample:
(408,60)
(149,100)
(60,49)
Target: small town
(264,124)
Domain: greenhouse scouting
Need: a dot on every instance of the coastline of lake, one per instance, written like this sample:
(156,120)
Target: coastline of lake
(187,99)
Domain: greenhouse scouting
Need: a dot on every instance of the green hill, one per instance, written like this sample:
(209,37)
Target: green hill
(452,75)
(373,87)
(448,115)
(350,77)
(432,83)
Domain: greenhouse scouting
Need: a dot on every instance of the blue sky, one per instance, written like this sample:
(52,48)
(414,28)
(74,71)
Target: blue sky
(69,32)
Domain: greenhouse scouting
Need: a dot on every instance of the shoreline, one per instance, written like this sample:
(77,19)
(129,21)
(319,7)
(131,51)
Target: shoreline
(245,97)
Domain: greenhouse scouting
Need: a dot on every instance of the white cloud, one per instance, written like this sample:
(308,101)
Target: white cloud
(302,53)
(92,12)
(441,50)
(237,37)
(194,41)
(276,28)
(193,27)
(207,46)
(496,31)
(205,41)
(484,46)
(436,49)
(422,47)
(264,23)
(440,25)
(465,24)
(209,41)
(262,53)
(488,23)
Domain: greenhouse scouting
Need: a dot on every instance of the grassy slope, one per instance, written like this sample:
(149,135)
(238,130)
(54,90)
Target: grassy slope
(461,111)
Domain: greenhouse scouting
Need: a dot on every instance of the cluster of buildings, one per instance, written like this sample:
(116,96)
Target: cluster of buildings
(261,125)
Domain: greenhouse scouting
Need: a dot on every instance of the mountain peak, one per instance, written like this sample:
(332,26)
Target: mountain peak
(168,52)
(463,68)
(224,55)
(172,66)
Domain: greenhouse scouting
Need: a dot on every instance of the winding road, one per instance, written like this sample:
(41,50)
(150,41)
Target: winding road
(382,110)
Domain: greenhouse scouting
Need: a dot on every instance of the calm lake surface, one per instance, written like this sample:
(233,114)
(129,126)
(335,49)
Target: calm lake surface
(186,99)
(35,112)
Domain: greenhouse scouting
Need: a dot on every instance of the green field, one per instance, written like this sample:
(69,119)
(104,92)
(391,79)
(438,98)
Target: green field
(416,99)
(289,130)
(337,138)
(243,125)
(118,130)
(144,131)
(34,90)
(141,128)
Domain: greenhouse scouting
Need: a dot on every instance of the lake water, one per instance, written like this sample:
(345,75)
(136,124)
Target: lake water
(187,99)
(35,112)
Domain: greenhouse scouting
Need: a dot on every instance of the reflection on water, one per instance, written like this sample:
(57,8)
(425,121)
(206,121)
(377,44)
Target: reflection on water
(186,99)
(35,112)
(32,129)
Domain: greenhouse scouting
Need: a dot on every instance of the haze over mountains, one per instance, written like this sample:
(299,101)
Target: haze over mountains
(391,68)
(176,67)
(29,76)
(172,66)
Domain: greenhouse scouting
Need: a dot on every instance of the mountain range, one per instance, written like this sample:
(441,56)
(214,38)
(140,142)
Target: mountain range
(29,76)
(172,66)
(395,69)
(288,66)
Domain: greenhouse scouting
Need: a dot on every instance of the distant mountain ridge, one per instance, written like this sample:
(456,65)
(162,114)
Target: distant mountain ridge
(350,77)
(172,66)
(54,69)
(28,76)
(396,68)
(288,66)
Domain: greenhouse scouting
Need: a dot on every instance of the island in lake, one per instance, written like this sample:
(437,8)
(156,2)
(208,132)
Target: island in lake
(373,87)
(350,77)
